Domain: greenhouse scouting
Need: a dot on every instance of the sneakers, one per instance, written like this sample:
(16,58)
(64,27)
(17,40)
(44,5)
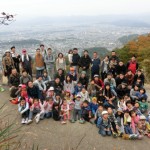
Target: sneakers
(63,122)
(23,121)
(72,121)
(82,121)
(114,135)
(26,121)
(37,118)
(29,121)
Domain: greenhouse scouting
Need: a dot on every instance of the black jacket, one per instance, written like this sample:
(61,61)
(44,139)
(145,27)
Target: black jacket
(34,92)
(85,62)
(75,59)
(14,80)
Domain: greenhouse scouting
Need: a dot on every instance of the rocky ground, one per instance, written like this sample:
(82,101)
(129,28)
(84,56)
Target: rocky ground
(51,135)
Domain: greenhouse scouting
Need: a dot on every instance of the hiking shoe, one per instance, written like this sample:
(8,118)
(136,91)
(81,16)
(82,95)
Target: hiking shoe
(37,118)
(23,121)
(29,121)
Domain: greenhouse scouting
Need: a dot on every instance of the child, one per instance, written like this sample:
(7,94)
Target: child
(143,126)
(56,112)
(105,125)
(113,121)
(83,79)
(120,118)
(78,88)
(136,108)
(58,100)
(48,105)
(142,94)
(38,109)
(98,114)
(122,104)
(68,96)
(50,92)
(65,112)
(134,121)
(84,95)
(129,106)
(94,105)
(143,106)
(85,112)
(92,89)
(77,107)
(23,108)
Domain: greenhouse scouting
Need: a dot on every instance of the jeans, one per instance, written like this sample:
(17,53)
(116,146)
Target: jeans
(48,115)
(35,111)
(39,72)
(50,72)
(99,120)
(103,132)
(77,112)
(25,114)
(127,129)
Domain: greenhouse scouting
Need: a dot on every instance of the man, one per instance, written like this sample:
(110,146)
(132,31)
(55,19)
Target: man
(49,61)
(14,81)
(114,56)
(39,62)
(43,50)
(85,62)
(95,65)
(16,58)
(25,78)
(75,59)
(132,65)
(26,61)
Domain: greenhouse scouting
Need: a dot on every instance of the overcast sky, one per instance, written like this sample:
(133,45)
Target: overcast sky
(36,8)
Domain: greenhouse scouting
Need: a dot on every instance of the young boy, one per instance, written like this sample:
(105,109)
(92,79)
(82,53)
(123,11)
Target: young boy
(105,125)
(77,107)
(143,106)
(85,112)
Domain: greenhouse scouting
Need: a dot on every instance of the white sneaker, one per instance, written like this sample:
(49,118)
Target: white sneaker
(23,121)
(29,121)
(37,118)
(26,121)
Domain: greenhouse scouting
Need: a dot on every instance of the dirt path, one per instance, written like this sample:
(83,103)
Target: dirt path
(51,135)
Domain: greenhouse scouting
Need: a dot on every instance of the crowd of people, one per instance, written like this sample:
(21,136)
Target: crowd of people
(107,93)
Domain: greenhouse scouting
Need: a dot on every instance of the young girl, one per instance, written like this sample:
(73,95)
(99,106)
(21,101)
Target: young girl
(23,108)
(134,121)
(65,112)
(100,98)
(37,109)
(83,79)
(48,105)
(127,123)
(68,96)
(69,84)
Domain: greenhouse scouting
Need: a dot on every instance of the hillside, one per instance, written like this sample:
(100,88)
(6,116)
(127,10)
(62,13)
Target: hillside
(139,47)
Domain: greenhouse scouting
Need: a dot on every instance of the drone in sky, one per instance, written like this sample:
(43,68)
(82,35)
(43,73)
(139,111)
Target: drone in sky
(6,19)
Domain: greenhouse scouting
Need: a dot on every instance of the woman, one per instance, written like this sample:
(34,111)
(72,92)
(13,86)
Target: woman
(70,54)
(105,67)
(8,64)
(69,84)
(60,62)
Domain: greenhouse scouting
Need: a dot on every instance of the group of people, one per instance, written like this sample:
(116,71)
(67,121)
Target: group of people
(107,93)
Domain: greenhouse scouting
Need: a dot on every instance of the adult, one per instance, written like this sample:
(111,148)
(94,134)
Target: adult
(61,62)
(14,81)
(16,58)
(75,59)
(95,65)
(85,62)
(26,61)
(43,50)
(132,65)
(25,78)
(39,63)
(60,74)
(8,64)
(114,57)
(121,78)
(70,54)
(49,61)
(120,68)
(105,67)
(140,75)
(110,80)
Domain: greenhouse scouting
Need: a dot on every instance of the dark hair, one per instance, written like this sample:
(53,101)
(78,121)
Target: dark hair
(128,102)
(41,45)
(22,98)
(49,49)
(113,51)
(108,93)
(37,49)
(69,77)
(75,49)
(69,51)
(61,54)
(95,52)
(24,71)
(86,102)
(12,47)
(85,51)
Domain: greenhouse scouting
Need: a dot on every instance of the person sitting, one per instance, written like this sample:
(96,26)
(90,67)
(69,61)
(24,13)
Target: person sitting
(25,78)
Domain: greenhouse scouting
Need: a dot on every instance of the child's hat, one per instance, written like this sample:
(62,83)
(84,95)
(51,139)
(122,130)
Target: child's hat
(120,110)
(23,86)
(96,75)
(78,95)
(71,69)
(142,117)
(94,98)
(51,89)
(104,112)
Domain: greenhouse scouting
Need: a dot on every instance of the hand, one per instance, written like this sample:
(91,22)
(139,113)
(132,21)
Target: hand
(117,127)
(89,116)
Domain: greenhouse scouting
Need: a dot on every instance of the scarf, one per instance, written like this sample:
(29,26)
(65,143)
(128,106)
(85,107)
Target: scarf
(23,56)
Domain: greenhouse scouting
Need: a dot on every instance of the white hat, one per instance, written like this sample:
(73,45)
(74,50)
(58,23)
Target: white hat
(51,89)
(78,95)
(104,112)
(96,75)
(142,117)
(7,51)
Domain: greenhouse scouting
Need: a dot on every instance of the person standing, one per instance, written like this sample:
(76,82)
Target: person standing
(26,62)
(95,65)
(60,62)
(85,62)
(39,62)
(8,64)
(75,60)
(49,61)
(16,58)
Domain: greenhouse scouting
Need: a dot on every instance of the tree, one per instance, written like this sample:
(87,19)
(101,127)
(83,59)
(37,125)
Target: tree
(6,19)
